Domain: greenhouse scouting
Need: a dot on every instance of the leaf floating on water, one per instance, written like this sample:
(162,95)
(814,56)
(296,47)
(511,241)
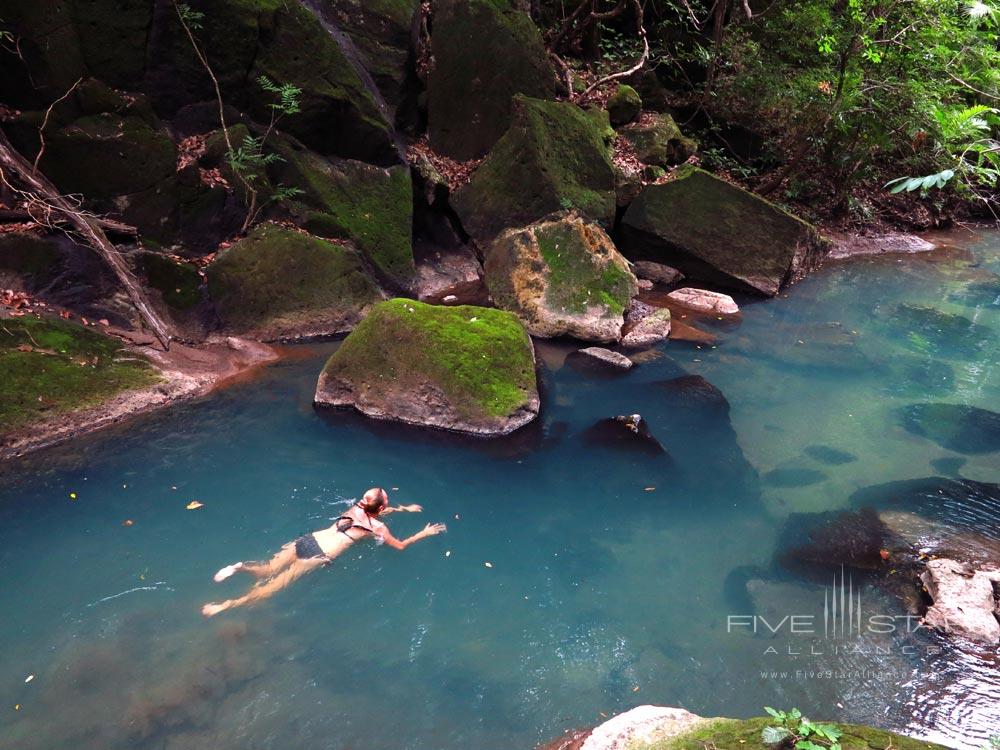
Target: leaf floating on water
(884,554)
(488,564)
(128,522)
(29,678)
(649,489)
(194,505)
(72,496)
(635,689)
(17,706)
(447,553)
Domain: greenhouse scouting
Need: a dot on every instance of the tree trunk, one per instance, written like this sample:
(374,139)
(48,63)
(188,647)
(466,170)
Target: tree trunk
(89,227)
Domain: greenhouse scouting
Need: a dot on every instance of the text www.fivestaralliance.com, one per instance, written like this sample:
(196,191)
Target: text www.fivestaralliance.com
(833,674)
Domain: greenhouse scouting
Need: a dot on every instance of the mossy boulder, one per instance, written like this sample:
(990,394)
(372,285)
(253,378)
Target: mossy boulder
(341,198)
(718,233)
(381,30)
(28,256)
(49,367)
(279,283)
(178,282)
(468,369)
(485,52)
(562,276)
(658,141)
(624,105)
(551,158)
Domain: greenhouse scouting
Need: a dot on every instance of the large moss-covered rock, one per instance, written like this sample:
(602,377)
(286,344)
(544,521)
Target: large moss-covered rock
(561,276)
(658,141)
(552,157)
(50,367)
(469,369)
(381,30)
(485,52)
(624,105)
(342,198)
(279,283)
(719,233)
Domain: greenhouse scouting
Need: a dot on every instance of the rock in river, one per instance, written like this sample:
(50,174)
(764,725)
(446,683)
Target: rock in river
(657,272)
(603,358)
(649,330)
(561,276)
(467,369)
(964,601)
(627,432)
(964,429)
(705,301)
(719,233)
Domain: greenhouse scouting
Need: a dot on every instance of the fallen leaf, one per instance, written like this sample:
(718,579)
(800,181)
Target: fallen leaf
(488,564)
(104,322)
(650,489)
(448,553)
(635,689)
(72,496)
(884,554)
(29,678)
(17,706)
(194,505)
(128,522)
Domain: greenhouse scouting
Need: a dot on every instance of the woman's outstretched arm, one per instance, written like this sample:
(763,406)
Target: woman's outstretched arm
(431,529)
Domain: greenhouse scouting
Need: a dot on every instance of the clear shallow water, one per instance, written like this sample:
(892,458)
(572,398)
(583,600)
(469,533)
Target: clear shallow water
(601,595)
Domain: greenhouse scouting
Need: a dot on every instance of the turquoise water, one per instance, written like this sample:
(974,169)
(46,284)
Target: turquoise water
(602,594)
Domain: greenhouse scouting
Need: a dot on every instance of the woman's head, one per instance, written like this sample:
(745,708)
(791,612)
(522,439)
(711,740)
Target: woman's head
(374,501)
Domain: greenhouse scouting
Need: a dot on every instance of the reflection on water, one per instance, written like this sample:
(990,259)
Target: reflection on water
(613,572)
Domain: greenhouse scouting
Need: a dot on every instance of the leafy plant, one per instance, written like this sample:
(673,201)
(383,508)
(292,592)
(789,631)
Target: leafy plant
(801,733)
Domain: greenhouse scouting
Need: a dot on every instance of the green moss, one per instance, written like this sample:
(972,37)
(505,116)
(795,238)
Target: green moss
(60,367)
(372,206)
(624,105)
(179,283)
(733,734)
(485,52)
(659,142)
(480,357)
(276,279)
(553,156)
(575,282)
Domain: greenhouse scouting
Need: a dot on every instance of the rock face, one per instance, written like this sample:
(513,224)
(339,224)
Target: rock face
(657,272)
(603,357)
(467,369)
(705,301)
(718,233)
(624,105)
(964,429)
(658,141)
(346,199)
(278,283)
(562,277)
(964,601)
(485,52)
(552,157)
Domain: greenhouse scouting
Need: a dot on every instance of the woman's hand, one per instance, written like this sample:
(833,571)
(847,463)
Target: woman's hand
(411,508)
(432,529)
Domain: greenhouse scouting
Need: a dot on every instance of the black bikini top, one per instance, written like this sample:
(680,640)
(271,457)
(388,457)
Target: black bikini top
(345,523)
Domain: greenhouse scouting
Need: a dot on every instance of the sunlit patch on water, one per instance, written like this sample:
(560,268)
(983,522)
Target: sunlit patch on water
(611,574)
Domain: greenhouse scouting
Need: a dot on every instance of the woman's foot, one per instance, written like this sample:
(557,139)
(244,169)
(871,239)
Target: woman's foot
(213,608)
(226,572)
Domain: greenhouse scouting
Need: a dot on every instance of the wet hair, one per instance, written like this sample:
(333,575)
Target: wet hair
(373,501)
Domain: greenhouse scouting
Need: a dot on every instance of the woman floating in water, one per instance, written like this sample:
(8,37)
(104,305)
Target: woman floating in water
(320,548)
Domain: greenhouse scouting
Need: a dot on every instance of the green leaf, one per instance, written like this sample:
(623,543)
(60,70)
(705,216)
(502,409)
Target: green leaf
(774,713)
(808,745)
(774,735)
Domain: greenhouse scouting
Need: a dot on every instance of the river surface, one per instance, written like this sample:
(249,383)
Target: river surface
(576,579)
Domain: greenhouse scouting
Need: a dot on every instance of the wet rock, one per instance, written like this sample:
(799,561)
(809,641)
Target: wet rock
(963,598)
(485,53)
(624,105)
(467,369)
(984,293)
(451,278)
(853,539)
(603,357)
(963,429)
(551,158)
(716,232)
(650,330)
(829,455)
(640,727)
(625,432)
(278,283)
(658,141)
(950,466)
(705,301)
(657,272)
(793,476)
(694,392)
(929,331)
(561,276)
(850,245)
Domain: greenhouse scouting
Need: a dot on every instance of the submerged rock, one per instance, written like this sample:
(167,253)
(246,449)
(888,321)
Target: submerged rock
(716,232)
(829,455)
(279,283)
(793,476)
(467,369)
(649,330)
(625,432)
(704,301)
(964,429)
(964,602)
(657,272)
(552,158)
(485,53)
(694,392)
(561,276)
(853,539)
(658,141)
(624,105)
(929,331)
(604,358)
(984,293)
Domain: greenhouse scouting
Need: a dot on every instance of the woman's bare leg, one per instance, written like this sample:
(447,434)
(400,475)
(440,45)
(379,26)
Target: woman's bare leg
(267,588)
(281,560)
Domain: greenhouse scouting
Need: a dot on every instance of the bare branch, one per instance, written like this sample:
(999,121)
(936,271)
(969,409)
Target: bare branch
(635,68)
(45,122)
